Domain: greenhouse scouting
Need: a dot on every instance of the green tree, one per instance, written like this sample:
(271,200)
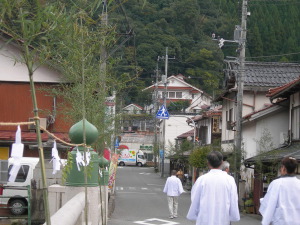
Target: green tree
(198,157)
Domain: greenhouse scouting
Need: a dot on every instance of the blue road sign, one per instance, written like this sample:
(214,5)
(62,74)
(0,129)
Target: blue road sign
(117,144)
(162,113)
(161,153)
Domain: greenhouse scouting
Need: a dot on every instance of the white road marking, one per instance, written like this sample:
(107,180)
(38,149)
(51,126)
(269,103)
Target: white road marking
(156,184)
(156,222)
(132,188)
(143,193)
(157,189)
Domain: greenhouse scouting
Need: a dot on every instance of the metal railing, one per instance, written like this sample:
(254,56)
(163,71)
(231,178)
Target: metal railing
(28,207)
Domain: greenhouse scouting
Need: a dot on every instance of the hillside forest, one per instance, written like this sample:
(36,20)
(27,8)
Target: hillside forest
(186,28)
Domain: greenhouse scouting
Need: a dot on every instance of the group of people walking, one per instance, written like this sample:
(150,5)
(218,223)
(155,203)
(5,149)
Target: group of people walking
(214,197)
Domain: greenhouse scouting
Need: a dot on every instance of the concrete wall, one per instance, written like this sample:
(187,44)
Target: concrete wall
(175,126)
(97,202)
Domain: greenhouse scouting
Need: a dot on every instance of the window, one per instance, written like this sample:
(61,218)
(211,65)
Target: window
(141,157)
(178,94)
(171,94)
(22,173)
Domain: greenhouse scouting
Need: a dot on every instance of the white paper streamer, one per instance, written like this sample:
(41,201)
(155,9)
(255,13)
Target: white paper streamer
(88,157)
(16,154)
(55,159)
(79,160)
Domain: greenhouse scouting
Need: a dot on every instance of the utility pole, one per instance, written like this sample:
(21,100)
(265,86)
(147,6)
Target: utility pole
(156,146)
(240,90)
(164,80)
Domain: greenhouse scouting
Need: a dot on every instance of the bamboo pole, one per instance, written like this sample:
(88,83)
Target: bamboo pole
(83,125)
(40,146)
(29,64)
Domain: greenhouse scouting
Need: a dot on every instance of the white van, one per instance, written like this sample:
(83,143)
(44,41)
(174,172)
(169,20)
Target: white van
(17,189)
(29,174)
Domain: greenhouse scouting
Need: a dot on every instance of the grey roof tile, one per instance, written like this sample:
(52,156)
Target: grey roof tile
(276,154)
(268,74)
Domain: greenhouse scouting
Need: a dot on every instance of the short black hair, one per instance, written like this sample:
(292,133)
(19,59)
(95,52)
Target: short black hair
(215,159)
(173,172)
(290,164)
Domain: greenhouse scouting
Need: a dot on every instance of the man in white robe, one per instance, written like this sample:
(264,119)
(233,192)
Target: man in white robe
(173,188)
(214,196)
(281,204)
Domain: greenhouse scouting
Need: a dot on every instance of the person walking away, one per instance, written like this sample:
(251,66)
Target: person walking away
(225,167)
(173,188)
(214,199)
(180,175)
(281,204)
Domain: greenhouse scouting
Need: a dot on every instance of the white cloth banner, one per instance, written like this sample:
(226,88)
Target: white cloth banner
(80,159)
(88,157)
(16,154)
(55,159)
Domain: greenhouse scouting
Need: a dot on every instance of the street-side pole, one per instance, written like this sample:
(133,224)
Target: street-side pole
(240,89)
(155,119)
(164,121)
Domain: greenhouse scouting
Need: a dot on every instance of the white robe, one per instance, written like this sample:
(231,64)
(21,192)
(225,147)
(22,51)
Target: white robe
(281,204)
(214,199)
(173,186)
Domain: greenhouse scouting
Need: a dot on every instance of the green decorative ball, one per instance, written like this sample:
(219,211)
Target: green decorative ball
(76,132)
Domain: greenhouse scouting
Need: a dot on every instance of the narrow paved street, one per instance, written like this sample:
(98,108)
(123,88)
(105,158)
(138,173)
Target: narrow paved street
(139,200)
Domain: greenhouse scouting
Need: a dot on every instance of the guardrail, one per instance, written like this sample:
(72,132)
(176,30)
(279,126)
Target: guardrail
(28,207)
(70,212)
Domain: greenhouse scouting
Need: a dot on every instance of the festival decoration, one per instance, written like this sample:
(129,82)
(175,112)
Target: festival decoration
(16,154)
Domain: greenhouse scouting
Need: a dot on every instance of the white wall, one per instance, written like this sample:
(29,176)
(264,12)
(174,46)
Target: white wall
(175,126)
(249,134)
(18,71)
(227,134)
(258,100)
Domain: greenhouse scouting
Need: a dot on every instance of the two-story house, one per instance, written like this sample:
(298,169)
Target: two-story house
(16,104)
(178,91)
(283,120)
(262,122)
(259,77)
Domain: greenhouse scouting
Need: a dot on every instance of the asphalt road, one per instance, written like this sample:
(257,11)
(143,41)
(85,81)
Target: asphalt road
(139,199)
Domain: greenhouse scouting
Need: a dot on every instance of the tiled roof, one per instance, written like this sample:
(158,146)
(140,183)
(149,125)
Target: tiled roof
(268,74)
(30,136)
(186,134)
(257,111)
(276,154)
(280,91)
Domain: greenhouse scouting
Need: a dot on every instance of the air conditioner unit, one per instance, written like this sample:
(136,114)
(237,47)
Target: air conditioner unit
(43,123)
